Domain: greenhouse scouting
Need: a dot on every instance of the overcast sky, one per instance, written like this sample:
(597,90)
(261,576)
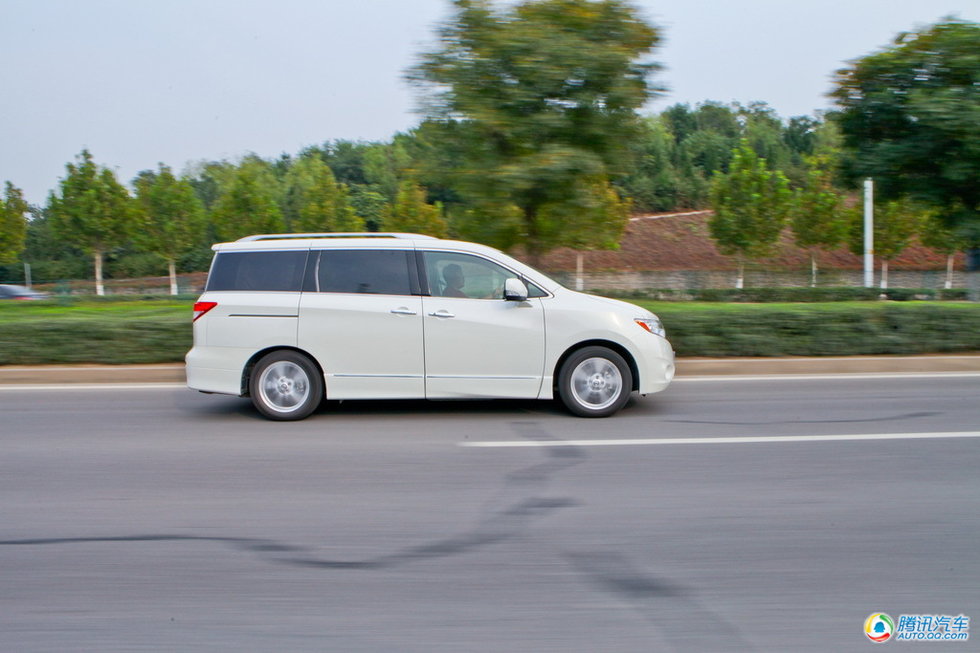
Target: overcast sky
(139,82)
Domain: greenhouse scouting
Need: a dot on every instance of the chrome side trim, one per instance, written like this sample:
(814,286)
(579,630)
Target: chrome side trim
(374,376)
(485,378)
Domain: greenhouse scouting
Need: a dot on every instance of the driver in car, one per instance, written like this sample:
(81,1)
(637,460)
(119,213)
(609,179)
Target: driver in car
(453,276)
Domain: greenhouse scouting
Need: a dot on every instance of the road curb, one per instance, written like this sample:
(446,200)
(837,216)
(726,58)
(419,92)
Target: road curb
(829,365)
(88,374)
(174,373)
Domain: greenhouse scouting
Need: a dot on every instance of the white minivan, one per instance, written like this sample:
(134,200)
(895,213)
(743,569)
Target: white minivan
(291,319)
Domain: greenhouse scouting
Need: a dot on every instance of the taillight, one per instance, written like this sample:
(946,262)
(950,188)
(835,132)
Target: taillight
(200,308)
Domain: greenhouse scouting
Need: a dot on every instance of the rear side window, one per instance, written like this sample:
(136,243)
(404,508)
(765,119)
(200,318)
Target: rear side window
(258,271)
(375,272)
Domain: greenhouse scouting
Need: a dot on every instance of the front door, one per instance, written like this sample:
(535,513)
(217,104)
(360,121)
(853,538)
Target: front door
(476,343)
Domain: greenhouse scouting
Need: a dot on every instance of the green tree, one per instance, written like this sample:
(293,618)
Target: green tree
(172,217)
(936,234)
(369,205)
(316,201)
(596,197)
(766,133)
(345,158)
(704,149)
(438,151)
(208,178)
(13,223)
(94,211)
(654,185)
(674,169)
(817,217)
(800,136)
(248,204)
(751,205)
(895,224)
(385,165)
(411,213)
(910,117)
(538,97)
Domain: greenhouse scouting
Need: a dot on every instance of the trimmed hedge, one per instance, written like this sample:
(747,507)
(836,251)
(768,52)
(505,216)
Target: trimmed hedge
(834,329)
(791,294)
(159,331)
(95,330)
(163,339)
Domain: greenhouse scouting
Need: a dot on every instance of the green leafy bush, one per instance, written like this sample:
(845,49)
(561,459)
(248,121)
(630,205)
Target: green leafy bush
(95,330)
(791,294)
(152,329)
(832,329)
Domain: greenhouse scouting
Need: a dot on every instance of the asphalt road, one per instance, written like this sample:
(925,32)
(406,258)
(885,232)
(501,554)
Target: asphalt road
(164,520)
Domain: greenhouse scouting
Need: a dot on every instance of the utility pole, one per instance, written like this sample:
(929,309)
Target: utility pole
(869,236)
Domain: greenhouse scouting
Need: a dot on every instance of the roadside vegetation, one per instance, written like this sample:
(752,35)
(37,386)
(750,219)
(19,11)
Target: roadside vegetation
(73,331)
(530,158)
(789,294)
(532,140)
(819,329)
(156,330)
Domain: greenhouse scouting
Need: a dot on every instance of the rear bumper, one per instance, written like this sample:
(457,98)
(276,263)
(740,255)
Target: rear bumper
(216,369)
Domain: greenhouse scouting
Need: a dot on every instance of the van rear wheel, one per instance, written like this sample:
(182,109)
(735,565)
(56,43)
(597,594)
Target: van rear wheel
(285,386)
(595,382)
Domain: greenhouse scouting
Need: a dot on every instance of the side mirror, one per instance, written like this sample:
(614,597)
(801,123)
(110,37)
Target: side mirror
(515,290)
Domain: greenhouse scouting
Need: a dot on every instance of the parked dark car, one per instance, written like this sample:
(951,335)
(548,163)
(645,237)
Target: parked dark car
(20,292)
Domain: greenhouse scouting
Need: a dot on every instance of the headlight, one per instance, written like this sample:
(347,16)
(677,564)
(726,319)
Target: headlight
(652,324)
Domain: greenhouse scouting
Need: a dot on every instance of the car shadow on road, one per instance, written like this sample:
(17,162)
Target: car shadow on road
(501,407)
(215,407)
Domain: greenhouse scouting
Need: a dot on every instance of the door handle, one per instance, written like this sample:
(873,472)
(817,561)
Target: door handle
(403,311)
(442,313)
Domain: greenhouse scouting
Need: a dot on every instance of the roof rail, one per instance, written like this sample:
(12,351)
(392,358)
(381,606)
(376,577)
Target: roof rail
(337,234)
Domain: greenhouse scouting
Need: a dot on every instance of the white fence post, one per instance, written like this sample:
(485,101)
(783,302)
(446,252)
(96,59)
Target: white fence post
(869,236)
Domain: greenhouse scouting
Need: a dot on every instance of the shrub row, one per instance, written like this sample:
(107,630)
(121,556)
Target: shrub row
(141,332)
(94,331)
(791,294)
(836,329)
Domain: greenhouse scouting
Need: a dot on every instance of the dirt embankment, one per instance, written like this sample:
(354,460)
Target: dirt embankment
(681,241)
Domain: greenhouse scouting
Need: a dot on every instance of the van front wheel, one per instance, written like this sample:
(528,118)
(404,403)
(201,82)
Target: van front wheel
(286,385)
(595,382)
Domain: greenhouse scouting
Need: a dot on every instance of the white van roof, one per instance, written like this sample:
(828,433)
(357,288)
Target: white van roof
(337,234)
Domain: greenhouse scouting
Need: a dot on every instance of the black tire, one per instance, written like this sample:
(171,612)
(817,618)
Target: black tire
(595,382)
(285,386)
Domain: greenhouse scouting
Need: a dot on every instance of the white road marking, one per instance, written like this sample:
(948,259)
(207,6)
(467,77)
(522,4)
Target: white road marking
(62,387)
(797,359)
(163,367)
(853,376)
(856,437)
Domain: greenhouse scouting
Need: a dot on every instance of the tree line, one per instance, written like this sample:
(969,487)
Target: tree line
(164,220)
(532,139)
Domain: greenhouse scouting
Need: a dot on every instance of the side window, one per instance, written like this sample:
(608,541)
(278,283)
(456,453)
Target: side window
(533,291)
(464,275)
(280,271)
(372,271)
